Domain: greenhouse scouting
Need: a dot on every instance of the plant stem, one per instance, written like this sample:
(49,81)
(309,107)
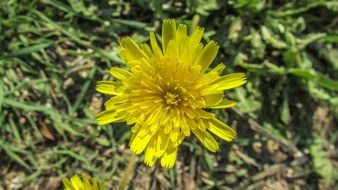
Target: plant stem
(127,172)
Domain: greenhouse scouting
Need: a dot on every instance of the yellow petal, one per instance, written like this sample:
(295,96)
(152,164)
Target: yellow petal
(211,76)
(94,185)
(136,128)
(168,32)
(194,55)
(121,74)
(131,51)
(68,185)
(162,143)
(181,33)
(206,139)
(207,79)
(224,83)
(219,68)
(174,135)
(108,87)
(213,99)
(76,181)
(205,114)
(221,129)
(169,157)
(153,42)
(193,48)
(150,153)
(139,142)
(185,127)
(224,104)
(196,36)
(168,128)
(107,116)
(101,186)
(180,139)
(85,179)
(230,81)
(208,55)
(153,117)
(147,50)
(172,50)
(113,101)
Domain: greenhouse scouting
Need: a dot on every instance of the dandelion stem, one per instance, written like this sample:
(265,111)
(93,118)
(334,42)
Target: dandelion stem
(127,172)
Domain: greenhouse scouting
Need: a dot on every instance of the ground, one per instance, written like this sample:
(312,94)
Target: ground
(52,53)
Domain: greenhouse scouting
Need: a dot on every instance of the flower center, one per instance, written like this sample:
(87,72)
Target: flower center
(172,99)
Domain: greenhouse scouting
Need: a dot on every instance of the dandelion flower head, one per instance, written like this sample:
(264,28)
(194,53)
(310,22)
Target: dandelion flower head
(77,183)
(164,93)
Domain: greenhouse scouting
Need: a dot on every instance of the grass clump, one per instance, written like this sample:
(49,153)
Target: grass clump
(53,52)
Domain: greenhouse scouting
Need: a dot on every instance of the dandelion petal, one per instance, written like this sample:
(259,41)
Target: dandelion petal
(222,130)
(169,157)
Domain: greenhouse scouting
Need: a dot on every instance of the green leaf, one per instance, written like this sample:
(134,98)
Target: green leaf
(131,23)
(318,78)
(10,151)
(310,39)
(285,111)
(271,39)
(209,161)
(246,104)
(322,165)
(31,49)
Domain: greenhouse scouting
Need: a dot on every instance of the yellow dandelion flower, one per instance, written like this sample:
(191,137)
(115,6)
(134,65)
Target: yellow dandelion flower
(164,93)
(76,183)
